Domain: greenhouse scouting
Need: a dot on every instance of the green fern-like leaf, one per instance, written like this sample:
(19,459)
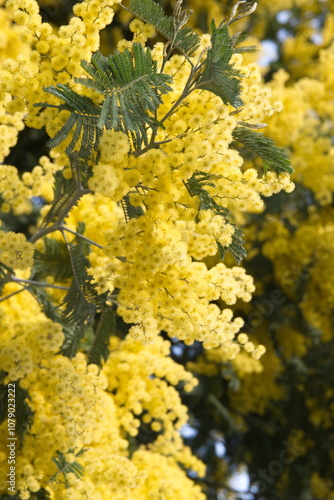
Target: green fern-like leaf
(84,115)
(46,303)
(237,40)
(23,412)
(130,212)
(132,91)
(236,248)
(78,306)
(64,190)
(274,158)
(196,187)
(106,327)
(131,86)
(66,196)
(4,272)
(183,39)
(53,260)
(64,468)
(73,335)
(82,299)
(219,76)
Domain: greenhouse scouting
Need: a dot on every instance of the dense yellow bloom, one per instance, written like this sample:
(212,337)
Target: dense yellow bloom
(15,194)
(15,250)
(164,478)
(154,268)
(140,375)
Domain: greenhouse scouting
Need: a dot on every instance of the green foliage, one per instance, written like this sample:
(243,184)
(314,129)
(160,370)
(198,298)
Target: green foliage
(81,298)
(236,248)
(274,158)
(63,189)
(130,212)
(4,272)
(65,468)
(81,301)
(73,336)
(196,187)
(132,89)
(84,116)
(170,27)
(219,76)
(53,260)
(106,327)
(23,412)
(46,303)
(237,40)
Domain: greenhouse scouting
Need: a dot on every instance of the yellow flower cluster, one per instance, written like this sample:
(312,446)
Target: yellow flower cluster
(156,248)
(110,181)
(70,406)
(49,56)
(73,412)
(41,179)
(165,478)
(27,337)
(11,109)
(77,408)
(15,250)
(322,489)
(153,266)
(259,385)
(141,31)
(102,215)
(304,259)
(15,195)
(310,138)
(162,289)
(143,376)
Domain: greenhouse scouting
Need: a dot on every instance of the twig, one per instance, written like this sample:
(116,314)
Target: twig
(37,283)
(11,294)
(61,228)
(43,231)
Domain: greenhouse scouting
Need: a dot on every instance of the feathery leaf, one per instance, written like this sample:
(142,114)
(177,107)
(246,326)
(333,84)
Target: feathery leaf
(65,468)
(53,260)
(130,212)
(131,86)
(274,157)
(106,327)
(170,27)
(84,114)
(196,187)
(23,412)
(4,271)
(219,76)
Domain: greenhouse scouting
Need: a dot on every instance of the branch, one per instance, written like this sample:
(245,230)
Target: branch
(61,228)
(11,294)
(37,283)
(43,231)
